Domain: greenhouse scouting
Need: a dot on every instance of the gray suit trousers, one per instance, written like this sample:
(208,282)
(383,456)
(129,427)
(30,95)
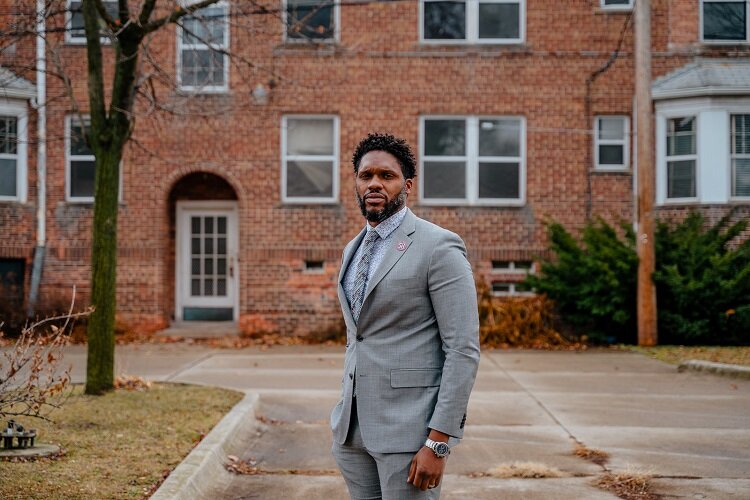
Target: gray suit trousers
(365,471)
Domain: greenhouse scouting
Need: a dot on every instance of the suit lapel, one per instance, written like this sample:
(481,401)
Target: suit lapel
(398,247)
(348,255)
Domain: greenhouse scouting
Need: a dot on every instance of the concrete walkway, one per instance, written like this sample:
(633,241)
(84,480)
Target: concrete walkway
(691,431)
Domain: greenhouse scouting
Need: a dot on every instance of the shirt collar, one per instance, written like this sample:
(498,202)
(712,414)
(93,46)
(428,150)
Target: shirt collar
(385,228)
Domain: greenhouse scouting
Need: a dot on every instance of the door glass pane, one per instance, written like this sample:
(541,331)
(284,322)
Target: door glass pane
(208,265)
(208,225)
(500,138)
(445,137)
(221,267)
(309,136)
(312,179)
(681,179)
(208,287)
(221,287)
(195,225)
(195,287)
(741,177)
(8,178)
(208,245)
(611,155)
(499,180)
(445,20)
(445,179)
(82,178)
(195,267)
(499,20)
(221,246)
(222,223)
(195,246)
(724,21)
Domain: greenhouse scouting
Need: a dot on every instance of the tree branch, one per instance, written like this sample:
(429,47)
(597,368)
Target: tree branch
(104,14)
(146,11)
(177,14)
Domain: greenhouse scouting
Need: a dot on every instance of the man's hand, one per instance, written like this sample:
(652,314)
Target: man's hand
(426,469)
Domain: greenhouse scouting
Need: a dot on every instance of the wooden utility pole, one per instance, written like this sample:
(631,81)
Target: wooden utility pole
(645,140)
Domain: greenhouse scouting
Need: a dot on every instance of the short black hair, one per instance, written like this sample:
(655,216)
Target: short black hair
(391,144)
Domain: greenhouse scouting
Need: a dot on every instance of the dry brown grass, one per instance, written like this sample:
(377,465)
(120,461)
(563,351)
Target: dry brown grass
(627,485)
(524,470)
(599,457)
(676,354)
(119,445)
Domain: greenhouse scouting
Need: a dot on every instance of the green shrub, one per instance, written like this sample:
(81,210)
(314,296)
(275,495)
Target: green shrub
(702,282)
(592,283)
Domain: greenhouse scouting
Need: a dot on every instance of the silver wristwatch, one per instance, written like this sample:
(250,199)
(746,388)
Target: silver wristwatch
(440,449)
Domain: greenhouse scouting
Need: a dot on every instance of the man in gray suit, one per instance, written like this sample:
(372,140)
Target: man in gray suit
(409,302)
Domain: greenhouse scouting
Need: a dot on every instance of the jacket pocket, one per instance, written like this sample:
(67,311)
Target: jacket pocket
(415,377)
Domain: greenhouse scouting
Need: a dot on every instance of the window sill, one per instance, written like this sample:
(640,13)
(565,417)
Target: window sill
(309,204)
(624,9)
(187,91)
(319,48)
(515,204)
(615,171)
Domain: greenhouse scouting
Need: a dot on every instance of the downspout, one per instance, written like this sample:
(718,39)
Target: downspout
(41,158)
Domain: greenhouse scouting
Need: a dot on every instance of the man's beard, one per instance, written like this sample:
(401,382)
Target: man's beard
(390,208)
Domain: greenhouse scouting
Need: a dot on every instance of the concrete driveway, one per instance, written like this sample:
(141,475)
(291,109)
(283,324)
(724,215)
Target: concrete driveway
(690,431)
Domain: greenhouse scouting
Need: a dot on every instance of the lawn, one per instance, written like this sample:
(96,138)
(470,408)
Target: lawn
(677,354)
(120,445)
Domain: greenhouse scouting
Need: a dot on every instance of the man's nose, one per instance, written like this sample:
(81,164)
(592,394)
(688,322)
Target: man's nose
(375,183)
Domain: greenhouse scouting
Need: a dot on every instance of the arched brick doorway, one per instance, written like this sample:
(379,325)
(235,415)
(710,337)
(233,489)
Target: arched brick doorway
(203,243)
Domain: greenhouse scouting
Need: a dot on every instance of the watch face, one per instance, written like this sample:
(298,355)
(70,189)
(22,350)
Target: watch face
(442,449)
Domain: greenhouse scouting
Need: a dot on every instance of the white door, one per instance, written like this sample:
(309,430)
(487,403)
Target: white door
(206,261)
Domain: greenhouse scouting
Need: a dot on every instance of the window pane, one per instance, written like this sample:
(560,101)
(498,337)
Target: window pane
(195,225)
(76,17)
(82,178)
(611,155)
(208,286)
(612,129)
(616,2)
(195,247)
(681,179)
(309,136)
(724,21)
(310,19)
(499,138)
(208,225)
(499,20)
(208,265)
(444,179)
(221,287)
(498,180)
(195,287)
(8,178)
(444,20)
(221,246)
(741,181)
(8,134)
(222,223)
(202,67)
(221,266)
(445,137)
(681,136)
(78,145)
(208,245)
(195,267)
(312,179)
(205,27)
(741,134)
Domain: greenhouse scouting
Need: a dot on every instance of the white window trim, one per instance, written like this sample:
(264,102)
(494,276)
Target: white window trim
(18,109)
(471,158)
(333,158)
(69,158)
(472,25)
(724,42)
(69,38)
(733,156)
(695,156)
(204,89)
(616,8)
(336,28)
(513,292)
(624,142)
(512,269)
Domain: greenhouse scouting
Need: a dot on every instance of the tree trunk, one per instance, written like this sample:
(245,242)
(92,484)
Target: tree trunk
(101,328)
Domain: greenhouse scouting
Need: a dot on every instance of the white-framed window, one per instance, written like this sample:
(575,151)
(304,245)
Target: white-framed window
(472,21)
(510,289)
(611,142)
(202,50)
(311,20)
(13,150)
(75,32)
(309,159)
(80,163)
(314,266)
(616,4)
(513,266)
(682,157)
(472,160)
(724,21)
(740,155)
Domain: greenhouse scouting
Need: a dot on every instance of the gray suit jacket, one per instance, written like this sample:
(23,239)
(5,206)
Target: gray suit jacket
(415,350)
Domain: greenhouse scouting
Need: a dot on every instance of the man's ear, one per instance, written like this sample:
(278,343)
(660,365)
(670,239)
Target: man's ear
(407,185)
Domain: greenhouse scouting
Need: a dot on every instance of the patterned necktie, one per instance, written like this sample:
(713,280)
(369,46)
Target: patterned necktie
(363,267)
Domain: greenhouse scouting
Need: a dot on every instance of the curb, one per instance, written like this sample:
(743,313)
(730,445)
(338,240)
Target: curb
(715,368)
(195,475)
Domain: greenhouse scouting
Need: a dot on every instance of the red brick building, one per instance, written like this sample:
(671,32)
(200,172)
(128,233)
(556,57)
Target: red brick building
(236,193)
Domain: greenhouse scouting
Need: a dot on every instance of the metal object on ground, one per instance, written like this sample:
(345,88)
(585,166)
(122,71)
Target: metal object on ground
(24,438)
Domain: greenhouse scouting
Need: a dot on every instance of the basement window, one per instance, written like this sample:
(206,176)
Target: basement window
(314,266)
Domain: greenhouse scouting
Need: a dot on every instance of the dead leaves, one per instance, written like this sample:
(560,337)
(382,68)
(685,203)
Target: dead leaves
(249,467)
(131,383)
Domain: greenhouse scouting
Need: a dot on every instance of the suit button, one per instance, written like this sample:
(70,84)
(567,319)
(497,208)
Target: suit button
(360,338)
(351,376)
